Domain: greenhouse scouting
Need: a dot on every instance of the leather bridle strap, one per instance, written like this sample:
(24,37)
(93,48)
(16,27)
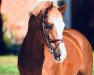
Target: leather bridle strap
(46,38)
(53,41)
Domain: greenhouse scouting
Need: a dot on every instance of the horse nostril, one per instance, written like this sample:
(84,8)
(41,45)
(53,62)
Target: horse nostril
(59,56)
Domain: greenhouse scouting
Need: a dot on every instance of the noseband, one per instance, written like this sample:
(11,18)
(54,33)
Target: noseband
(46,37)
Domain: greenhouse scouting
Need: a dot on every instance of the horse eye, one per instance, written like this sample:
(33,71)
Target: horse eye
(49,26)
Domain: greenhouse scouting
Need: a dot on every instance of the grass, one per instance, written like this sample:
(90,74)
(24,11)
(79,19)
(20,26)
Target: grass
(8,65)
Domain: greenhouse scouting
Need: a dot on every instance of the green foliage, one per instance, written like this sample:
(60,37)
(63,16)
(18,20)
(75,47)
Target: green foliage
(7,33)
(7,41)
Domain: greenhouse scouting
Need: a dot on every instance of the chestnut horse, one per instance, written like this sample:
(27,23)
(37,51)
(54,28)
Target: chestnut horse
(35,58)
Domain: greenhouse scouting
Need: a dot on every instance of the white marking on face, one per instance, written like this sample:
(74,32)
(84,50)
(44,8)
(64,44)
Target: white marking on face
(59,25)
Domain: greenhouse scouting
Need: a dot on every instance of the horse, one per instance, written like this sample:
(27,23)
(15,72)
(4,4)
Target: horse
(40,52)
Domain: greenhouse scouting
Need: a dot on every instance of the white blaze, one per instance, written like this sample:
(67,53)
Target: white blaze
(59,24)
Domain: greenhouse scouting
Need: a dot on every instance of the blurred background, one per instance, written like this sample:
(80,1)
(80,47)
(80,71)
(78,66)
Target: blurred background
(14,16)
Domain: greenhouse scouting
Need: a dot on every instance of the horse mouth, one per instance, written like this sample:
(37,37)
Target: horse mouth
(60,53)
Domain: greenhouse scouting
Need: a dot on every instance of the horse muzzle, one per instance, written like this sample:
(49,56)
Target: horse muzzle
(60,53)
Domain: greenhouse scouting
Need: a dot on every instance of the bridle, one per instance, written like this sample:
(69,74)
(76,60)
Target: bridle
(46,37)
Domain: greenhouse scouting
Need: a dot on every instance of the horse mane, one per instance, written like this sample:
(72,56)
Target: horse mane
(34,22)
(39,8)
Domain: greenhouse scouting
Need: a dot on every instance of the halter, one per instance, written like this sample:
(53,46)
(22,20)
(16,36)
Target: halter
(47,39)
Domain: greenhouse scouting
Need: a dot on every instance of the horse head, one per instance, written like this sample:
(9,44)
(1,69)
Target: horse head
(51,28)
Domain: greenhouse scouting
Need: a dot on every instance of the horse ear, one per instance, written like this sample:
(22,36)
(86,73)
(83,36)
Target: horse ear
(62,8)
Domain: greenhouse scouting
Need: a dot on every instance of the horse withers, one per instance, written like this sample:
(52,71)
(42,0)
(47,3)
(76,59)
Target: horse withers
(45,52)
